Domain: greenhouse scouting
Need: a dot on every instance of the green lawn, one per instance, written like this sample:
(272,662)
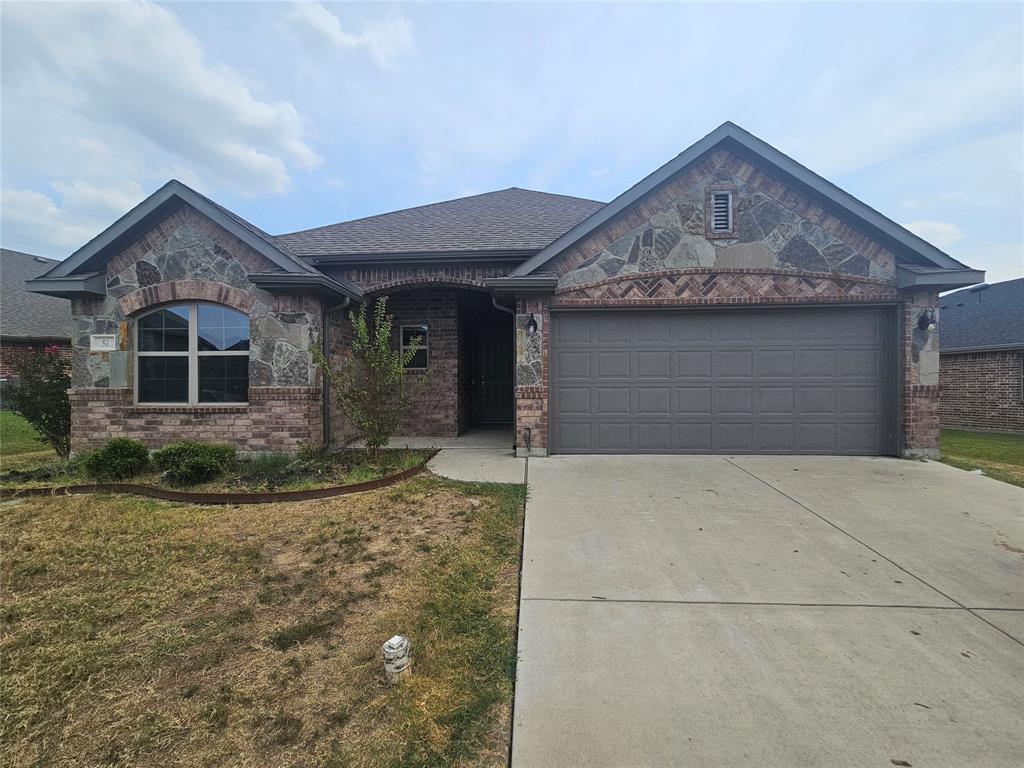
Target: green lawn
(20,447)
(998,455)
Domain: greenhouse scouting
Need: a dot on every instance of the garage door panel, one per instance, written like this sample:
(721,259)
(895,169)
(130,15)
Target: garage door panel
(866,363)
(735,363)
(574,365)
(613,365)
(724,381)
(573,401)
(653,364)
(816,362)
(693,364)
(614,436)
(775,437)
(693,401)
(613,401)
(735,401)
(734,437)
(776,401)
(652,437)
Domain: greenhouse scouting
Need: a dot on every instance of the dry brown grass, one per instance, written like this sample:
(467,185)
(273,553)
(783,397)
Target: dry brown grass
(139,632)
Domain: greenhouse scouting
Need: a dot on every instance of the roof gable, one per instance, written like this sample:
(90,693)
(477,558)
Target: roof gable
(985,316)
(94,255)
(510,220)
(908,248)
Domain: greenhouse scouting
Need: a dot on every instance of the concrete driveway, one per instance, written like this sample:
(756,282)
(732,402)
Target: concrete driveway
(765,611)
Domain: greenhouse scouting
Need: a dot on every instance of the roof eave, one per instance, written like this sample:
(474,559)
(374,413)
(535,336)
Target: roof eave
(85,286)
(419,257)
(313,282)
(1010,347)
(940,279)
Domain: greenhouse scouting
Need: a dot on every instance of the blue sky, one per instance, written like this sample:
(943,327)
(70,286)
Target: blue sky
(297,115)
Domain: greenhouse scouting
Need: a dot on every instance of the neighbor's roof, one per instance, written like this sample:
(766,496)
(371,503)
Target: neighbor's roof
(983,317)
(511,219)
(28,315)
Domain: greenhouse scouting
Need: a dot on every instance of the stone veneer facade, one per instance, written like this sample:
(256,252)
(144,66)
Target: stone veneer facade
(784,250)
(189,258)
(659,252)
(983,390)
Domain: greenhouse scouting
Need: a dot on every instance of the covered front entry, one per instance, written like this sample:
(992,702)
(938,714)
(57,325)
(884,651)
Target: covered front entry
(487,357)
(465,364)
(814,381)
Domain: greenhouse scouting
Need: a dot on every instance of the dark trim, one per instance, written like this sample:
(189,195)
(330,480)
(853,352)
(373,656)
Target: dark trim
(730,136)
(312,282)
(1018,347)
(165,200)
(84,286)
(420,258)
(506,289)
(942,279)
(8,339)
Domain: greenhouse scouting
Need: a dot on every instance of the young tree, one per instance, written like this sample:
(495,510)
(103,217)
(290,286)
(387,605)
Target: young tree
(41,397)
(371,387)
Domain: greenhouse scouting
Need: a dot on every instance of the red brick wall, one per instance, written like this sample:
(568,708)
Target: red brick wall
(14,352)
(275,419)
(435,412)
(919,401)
(982,390)
(532,401)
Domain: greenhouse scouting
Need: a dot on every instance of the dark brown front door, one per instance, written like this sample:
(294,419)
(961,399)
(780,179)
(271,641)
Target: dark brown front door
(494,380)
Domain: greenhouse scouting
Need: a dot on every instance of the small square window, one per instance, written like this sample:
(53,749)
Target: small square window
(415,335)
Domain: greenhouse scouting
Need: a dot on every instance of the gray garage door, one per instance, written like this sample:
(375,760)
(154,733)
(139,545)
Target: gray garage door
(757,381)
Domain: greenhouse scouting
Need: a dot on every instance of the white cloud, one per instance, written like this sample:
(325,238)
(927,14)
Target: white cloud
(386,39)
(37,225)
(941,234)
(133,65)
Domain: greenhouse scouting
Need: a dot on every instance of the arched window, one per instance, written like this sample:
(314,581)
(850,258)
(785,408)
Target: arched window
(193,353)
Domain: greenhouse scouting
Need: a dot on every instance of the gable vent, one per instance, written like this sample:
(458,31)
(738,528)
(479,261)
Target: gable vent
(721,213)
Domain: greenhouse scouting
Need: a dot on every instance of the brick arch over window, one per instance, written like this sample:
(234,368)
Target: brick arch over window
(185,290)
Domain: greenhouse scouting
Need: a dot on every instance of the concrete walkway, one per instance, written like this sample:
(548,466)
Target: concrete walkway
(764,611)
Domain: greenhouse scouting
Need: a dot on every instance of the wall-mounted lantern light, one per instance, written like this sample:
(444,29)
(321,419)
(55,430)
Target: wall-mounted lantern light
(531,326)
(927,322)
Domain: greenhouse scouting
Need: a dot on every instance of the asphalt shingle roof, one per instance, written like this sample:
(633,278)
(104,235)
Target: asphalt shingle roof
(28,315)
(986,317)
(506,220)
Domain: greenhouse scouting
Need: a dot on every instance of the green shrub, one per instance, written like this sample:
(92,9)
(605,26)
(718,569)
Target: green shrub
(268,469)
(118,459)
(188,462)
(41,397)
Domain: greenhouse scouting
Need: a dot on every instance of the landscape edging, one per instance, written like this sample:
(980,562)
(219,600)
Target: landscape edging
(198,497)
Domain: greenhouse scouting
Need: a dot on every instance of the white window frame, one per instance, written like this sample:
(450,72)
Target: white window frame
(425,346)
(729,202)
(193,354)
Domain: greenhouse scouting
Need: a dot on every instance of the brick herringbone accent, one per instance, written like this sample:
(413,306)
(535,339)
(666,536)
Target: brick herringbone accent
(705,286)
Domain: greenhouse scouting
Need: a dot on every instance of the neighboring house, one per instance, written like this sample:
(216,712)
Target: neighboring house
(28,322)
(982,371)
(730,302)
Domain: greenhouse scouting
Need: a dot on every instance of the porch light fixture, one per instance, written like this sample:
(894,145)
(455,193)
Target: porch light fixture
(927,322)
(531,326)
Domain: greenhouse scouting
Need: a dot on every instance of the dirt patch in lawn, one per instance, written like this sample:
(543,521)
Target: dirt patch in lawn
(139,632)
